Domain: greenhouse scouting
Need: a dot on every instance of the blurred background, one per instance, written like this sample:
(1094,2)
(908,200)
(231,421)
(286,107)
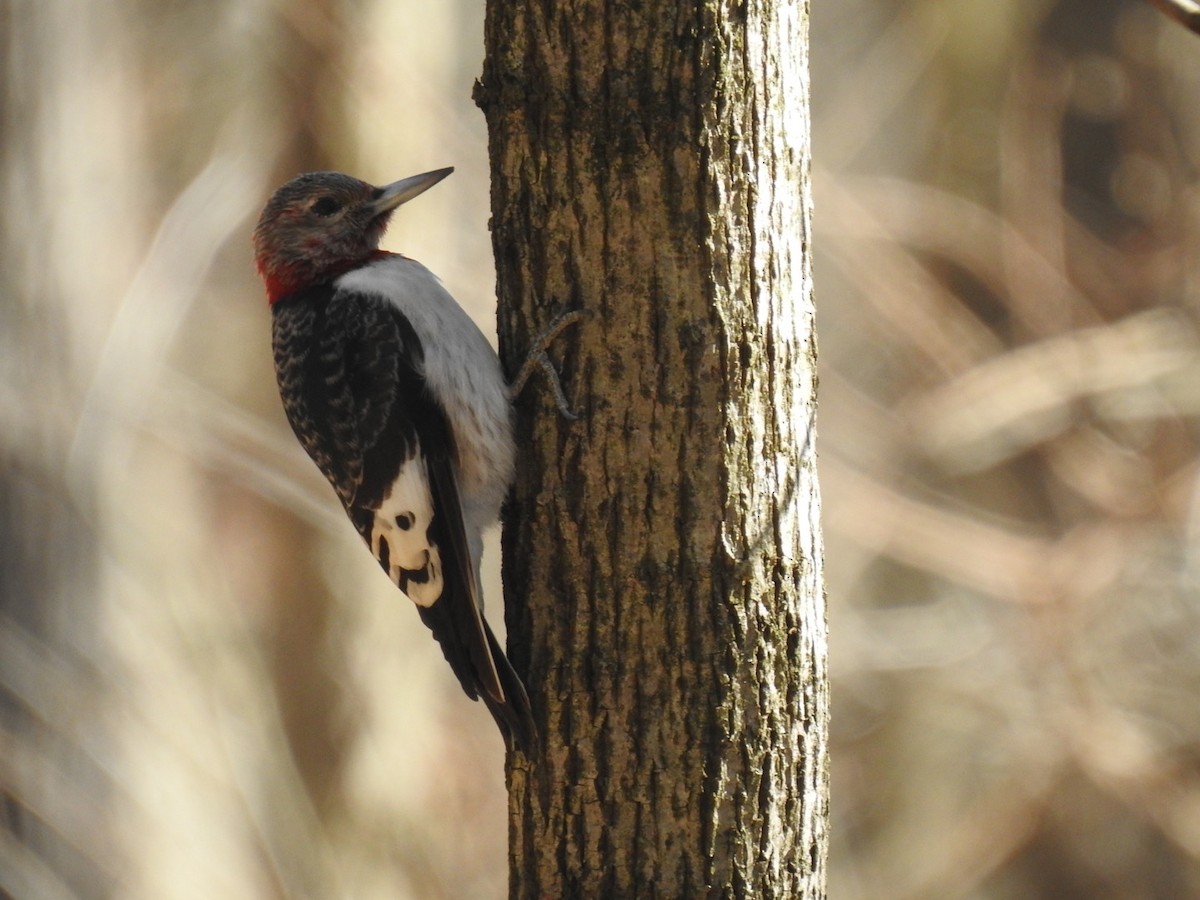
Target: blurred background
(1007,211)
(208,689)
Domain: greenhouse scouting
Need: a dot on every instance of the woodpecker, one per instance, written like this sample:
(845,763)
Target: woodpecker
(403,405)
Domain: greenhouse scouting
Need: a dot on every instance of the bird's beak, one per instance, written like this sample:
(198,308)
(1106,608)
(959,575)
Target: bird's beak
(392,195)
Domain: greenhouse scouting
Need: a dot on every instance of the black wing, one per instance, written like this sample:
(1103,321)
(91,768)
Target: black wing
(350,373)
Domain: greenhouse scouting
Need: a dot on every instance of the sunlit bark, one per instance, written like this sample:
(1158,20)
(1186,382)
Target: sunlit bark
(662,554)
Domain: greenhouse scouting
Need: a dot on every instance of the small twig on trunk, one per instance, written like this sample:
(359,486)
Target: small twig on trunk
(1185,12)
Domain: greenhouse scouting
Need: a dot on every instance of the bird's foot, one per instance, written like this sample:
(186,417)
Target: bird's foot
(537,358)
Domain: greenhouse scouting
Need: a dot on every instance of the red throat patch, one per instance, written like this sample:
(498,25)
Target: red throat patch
(283,281)
(279,285)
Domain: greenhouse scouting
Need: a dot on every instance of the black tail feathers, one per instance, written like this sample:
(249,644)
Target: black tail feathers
(472,650)
(514,716)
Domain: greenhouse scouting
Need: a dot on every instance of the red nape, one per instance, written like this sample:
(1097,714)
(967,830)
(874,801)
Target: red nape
(283,281)
(279,285)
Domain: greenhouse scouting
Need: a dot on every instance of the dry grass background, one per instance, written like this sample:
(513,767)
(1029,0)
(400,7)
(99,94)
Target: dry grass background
(208,690)
(1007,269)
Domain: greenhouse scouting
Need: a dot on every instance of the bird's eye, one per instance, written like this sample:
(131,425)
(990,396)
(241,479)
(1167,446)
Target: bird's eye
(325,206)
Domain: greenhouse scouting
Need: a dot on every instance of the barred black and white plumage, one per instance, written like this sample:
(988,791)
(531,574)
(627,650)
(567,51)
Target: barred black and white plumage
(402,404)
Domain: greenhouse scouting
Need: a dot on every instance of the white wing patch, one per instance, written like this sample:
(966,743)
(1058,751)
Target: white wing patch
(400,535)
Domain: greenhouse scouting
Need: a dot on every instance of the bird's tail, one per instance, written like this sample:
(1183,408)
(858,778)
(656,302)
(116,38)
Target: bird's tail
(513,716)
(482,668)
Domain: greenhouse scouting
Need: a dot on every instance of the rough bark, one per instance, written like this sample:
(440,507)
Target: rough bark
(662,556)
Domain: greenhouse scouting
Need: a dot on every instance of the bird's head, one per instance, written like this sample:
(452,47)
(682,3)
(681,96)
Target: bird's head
(324,223)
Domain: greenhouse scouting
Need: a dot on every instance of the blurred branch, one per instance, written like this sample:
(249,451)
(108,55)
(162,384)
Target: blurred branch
(861,104)
(998,820)
(1122,758)
(1027,396)
(1184,12)
(912,305)
(171,278)
(956,545)
(242,448)
(960,545)
(966,233)
(45,686)
(24,874)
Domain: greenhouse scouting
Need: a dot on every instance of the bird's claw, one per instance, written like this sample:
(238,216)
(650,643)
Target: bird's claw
(537,358)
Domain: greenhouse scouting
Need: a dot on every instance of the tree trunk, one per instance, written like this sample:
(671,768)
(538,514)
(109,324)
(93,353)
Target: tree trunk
(662,555)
